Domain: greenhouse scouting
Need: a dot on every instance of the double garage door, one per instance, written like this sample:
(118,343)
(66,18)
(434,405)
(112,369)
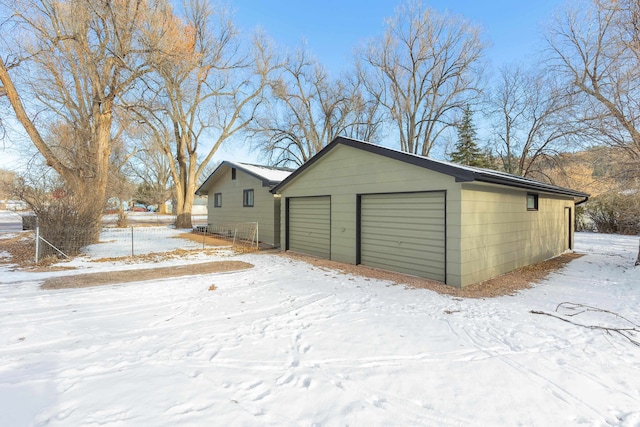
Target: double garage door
(402,232)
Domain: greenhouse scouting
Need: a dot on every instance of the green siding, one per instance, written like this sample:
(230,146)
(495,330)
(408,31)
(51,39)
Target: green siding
(346,172)
(232,212)
(499,234)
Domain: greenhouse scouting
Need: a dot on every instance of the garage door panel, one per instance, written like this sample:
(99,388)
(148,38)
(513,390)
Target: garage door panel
(391,244)
(423,270)
(382,229)
(309,227)
(399,259)
(404,232)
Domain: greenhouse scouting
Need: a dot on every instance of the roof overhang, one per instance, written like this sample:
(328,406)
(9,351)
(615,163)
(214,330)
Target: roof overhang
(266,182)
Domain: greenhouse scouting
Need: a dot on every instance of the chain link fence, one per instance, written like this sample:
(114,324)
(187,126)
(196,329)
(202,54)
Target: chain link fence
(244,233)
(143,240)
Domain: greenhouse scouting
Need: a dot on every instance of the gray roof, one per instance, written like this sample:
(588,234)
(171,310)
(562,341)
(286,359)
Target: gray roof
(269,175)
(461,173)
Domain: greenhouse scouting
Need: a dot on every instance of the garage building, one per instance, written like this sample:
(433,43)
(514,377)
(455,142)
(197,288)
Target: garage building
(361,203)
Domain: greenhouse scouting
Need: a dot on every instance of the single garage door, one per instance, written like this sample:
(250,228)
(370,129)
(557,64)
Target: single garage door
(309,225)
(404,232)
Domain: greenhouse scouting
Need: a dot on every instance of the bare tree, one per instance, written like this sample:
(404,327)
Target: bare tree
(82,57)
(150,167)
(6,182)
(424,68)
(595,47)
(307,109)
(531,120)
(206,83)
(119,186)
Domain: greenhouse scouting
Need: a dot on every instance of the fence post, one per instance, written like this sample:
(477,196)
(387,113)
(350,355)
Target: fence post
(37,242)
(132,241)
(257,235)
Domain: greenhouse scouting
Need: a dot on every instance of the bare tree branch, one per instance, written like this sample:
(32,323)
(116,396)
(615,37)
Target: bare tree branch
(425,68)
(307,109)
(531,117)
(83,56)
(574,309)
(594,47)
(205,82)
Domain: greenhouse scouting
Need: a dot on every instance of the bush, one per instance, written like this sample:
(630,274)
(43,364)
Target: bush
(66,226)
(614,213)
(583,222)
(67,221)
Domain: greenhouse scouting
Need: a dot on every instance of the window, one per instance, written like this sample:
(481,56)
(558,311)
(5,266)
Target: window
(247,198)
(217,200)
(532,202)
(233,173)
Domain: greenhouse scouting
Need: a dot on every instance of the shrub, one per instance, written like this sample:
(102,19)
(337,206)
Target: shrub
(67,221)
(65,226)
(614,213)
(583,222)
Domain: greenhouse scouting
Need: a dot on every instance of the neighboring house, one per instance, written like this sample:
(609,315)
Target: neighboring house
(361,203)
(14,205)
(239,193)
(200,205)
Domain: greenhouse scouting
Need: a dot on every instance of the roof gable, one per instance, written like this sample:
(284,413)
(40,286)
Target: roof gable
(461,173)
(269,176)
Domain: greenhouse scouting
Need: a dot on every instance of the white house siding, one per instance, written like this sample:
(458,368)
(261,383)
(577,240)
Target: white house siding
(345,172)
(499,234)
(232,211)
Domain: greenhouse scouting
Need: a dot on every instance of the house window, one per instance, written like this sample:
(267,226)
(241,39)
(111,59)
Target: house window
(247,198)
(233,173)
(217,200)
(532,202)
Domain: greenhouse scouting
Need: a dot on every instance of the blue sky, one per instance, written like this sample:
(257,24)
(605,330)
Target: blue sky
(332,29)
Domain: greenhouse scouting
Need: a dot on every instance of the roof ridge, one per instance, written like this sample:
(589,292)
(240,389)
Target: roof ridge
(277,168)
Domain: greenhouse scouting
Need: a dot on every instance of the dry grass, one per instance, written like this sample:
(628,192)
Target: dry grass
(21,248)
(506,284)
(210,240)
(126,276)
(206,239)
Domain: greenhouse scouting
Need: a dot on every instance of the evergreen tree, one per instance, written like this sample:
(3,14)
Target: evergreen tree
(466,151)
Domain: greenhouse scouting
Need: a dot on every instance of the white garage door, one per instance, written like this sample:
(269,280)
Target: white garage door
(309,225)
(404,232)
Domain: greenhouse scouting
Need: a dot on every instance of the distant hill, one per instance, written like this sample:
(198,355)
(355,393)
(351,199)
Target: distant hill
(595,171)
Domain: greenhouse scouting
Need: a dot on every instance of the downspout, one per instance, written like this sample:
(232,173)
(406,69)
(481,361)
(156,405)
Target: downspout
(582,201)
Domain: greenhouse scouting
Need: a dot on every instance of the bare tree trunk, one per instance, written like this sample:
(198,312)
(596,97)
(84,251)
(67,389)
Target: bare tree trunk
(638,260)
(184,205)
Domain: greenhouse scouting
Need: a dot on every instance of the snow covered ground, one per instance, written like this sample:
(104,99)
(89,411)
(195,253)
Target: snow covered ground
(290,344)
